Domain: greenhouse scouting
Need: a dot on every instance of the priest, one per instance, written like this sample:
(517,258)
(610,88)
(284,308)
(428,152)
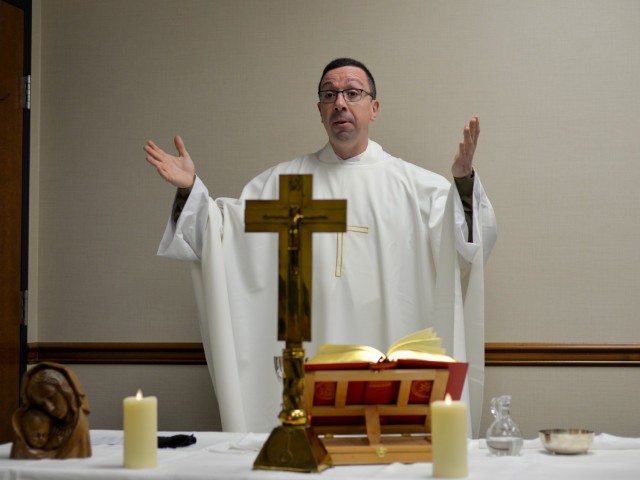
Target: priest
(413,255)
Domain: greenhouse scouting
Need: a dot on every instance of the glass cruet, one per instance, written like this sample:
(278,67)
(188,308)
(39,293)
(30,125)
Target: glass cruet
(503,436)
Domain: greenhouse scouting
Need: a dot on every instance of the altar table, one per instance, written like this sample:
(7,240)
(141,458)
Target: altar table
(230,456)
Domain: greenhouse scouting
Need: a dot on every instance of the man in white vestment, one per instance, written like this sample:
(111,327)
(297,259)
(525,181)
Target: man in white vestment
(412,257)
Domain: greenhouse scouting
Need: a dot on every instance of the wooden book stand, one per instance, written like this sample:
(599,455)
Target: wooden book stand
(374,415)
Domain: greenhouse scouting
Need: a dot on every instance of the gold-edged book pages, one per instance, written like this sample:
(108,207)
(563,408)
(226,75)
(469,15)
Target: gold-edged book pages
(422,345)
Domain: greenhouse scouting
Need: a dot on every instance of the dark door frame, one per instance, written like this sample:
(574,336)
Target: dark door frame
(26,7)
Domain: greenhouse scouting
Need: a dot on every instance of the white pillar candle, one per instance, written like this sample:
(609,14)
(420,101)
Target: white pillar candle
(140,425)
(449,438)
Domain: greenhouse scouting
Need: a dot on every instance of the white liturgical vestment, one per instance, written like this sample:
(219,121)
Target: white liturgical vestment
(403,265)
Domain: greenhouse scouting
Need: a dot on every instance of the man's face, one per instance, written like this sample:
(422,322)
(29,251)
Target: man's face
(347,123)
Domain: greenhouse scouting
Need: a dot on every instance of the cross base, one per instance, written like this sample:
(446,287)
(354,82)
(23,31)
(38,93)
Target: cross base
(293,448)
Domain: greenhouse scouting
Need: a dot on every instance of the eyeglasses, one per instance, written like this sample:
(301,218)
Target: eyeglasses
(350,95)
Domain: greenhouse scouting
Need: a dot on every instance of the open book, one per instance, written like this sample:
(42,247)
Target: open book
(423,345)
(420,350)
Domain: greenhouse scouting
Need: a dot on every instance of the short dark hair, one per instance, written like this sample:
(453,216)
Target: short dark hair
(350,62)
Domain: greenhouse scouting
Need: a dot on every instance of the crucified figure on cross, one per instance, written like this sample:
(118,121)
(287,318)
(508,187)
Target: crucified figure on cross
(295,216)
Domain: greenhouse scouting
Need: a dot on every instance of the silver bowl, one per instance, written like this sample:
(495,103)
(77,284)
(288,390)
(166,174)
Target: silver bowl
(567,441)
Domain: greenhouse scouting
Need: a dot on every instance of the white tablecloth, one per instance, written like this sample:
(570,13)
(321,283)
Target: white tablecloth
(229,456)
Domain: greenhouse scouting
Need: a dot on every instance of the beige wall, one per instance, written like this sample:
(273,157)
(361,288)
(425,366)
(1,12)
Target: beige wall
(555,86)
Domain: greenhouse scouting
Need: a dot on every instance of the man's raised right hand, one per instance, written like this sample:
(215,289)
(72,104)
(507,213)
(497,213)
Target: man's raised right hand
(179,171)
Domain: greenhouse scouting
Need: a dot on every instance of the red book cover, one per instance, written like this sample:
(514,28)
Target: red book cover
(383,392)
(457,375)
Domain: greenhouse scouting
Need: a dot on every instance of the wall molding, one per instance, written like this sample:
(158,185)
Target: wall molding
(562,354)
(496,354)
(117,353)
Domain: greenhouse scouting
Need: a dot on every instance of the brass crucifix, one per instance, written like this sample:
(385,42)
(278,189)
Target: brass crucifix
(295,216)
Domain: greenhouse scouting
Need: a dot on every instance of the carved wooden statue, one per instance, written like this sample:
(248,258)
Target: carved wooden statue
(52,421)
